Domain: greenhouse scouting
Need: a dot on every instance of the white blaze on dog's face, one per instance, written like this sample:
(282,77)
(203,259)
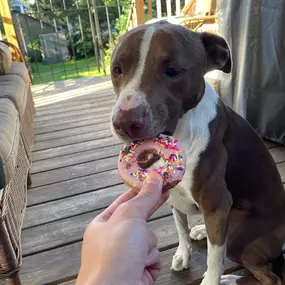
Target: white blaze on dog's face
(158,72)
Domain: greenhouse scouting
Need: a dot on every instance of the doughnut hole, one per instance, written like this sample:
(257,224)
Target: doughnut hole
(147,158)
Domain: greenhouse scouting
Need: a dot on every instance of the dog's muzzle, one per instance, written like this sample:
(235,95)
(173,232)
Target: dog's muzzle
(132,123)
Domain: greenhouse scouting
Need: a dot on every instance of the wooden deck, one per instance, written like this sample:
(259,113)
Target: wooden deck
(75,177)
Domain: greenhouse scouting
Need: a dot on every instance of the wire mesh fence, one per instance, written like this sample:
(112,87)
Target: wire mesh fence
(64,39)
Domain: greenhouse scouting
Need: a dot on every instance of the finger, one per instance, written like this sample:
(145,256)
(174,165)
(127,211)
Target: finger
(154,271)
(107,213)
(153,264)
(152,240)
(146,278)
(153,257)
(162,200)
(148,196)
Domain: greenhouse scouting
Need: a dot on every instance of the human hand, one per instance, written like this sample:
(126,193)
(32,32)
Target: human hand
(118,248)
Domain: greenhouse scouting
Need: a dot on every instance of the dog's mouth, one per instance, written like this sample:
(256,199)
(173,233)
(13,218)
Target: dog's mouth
(167,133)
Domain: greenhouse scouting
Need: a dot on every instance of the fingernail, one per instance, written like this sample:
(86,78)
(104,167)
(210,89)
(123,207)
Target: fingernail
(154,178)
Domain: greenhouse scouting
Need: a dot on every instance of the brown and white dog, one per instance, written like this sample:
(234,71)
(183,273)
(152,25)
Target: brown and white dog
(158,72)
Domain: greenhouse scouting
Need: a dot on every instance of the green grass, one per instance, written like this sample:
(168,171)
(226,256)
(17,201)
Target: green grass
(45,70)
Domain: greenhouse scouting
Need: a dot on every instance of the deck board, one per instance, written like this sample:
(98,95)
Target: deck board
(65,231)
(71,159)
(63,189)
(75,177)
(74,171)
(97,116)
(76,123)
(72,139)
(71,132)
(73,148)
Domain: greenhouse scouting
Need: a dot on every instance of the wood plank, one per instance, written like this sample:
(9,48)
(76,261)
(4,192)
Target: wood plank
(70,230)
(71,206)
(63,263)
(94,105)
(68,94)
(77,100)
(73,148)
(71,159)
(149,5)
(91,135)
(96,119)
(70,282)
(74,171)
(75,105)
(77,123)
(140,11)
(72,132)
(189,8)
(58,113)
(64,115)
(278,153)
(197,268)
(229,270)
(73,187)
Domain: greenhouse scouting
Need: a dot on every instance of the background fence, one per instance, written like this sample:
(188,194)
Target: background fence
(65,39)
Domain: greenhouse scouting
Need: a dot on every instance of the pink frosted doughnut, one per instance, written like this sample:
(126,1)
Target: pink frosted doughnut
(163,146)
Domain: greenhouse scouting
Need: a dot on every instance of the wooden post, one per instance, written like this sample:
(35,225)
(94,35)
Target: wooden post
(140,11)
(8,23)
(189,8)
(149,2)
(214,7)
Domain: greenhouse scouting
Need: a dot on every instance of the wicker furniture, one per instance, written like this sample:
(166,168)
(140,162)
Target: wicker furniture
(16,138)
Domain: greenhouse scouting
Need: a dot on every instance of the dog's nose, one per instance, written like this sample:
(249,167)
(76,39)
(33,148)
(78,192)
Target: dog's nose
(130,123)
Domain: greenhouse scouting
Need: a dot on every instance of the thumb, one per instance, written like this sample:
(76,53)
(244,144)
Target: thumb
(149,195)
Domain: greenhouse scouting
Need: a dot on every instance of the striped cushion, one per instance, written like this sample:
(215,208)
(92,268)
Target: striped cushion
(5,59)
(19,68)
(14,88)
(9,140)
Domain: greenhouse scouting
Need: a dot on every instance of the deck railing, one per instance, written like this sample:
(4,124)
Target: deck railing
(193,14)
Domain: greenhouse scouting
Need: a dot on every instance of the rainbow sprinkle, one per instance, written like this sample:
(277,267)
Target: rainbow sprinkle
(175,161)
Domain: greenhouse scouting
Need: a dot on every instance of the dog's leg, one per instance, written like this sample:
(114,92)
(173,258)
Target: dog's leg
(198,232)
(216,218)
(181,258)
(255,252)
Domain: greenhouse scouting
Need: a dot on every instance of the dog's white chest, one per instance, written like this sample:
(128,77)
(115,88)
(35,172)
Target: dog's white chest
(193,134)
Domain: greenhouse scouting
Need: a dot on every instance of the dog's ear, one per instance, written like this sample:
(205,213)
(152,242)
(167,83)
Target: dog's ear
(217,51)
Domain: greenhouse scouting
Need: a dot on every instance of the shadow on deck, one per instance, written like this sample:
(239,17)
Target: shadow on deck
(75,177)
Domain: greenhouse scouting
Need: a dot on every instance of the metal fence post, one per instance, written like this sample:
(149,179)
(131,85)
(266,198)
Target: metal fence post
(98,32)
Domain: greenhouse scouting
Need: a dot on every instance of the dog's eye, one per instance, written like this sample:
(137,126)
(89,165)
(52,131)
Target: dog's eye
(117,70)
(172,72)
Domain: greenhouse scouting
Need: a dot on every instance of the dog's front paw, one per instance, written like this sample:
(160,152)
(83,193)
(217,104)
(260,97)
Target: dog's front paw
(209,280)
(229,279)
(198,232)
(181,259)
